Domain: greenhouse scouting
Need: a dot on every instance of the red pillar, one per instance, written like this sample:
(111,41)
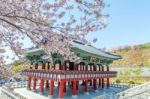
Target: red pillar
(42,86)
(100,81)
(86,81)
(51,87)
(64,86)
(74,91)
(90,70)
(48,64)
(77,85)
(47,83)
(43,65)
(71,83)
(29,83)
(108,82)
(95,84)
(95,80)
(64,68)
(102,78)
(86,86)
(34,84)
(61,90)
(83,69)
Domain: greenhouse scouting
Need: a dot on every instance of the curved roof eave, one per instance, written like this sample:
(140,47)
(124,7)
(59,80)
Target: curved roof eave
(94,50)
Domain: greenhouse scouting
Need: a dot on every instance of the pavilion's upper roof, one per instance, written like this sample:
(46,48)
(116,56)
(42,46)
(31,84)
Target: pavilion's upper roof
(93,50)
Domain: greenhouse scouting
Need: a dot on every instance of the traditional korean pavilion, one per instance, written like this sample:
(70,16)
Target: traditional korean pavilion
(92,70)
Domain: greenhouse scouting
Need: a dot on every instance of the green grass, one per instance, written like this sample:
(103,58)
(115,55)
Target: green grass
(127,79)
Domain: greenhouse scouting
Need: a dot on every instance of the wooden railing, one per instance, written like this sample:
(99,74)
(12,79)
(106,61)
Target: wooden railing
(68,75)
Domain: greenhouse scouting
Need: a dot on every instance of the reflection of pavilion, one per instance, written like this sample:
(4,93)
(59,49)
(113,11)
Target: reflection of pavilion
(89,70)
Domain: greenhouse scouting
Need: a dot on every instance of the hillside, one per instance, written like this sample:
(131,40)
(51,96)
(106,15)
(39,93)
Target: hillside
(137,55)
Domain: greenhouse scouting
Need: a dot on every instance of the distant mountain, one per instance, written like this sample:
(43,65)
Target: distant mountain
(136,55)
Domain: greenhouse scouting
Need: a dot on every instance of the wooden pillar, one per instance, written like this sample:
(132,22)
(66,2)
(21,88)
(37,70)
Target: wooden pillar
(36,65)
(80,67)
(48,65)
(77,82)
(77,67)
(90,67)
(60,66)
(108,82)
(54,67)
(47,83)
(86,81)
(86,67)
(65,86)
(74,90)
(64,67)
(86,86)
(29,83)
(77,85)
(61,90)
(34,84)
(43,65)
(90,70)
(51,88)
(42,86)
(71,66)
(83,69)
(95,84)
(83,66)
(102,82)
(95,80)
(94,67)
(102,78)
(67,67)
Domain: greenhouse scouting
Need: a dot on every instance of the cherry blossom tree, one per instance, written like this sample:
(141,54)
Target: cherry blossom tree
(47,22)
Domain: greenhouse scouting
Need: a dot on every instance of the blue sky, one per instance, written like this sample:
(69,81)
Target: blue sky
(129,23)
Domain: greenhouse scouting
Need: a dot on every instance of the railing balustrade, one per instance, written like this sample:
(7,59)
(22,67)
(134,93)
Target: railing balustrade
(67,75)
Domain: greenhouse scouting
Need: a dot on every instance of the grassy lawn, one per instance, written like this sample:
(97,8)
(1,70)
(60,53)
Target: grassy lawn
(136,80)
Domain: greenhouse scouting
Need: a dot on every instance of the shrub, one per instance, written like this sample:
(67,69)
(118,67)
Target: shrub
(131,82)
(137,71)
(118,81)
